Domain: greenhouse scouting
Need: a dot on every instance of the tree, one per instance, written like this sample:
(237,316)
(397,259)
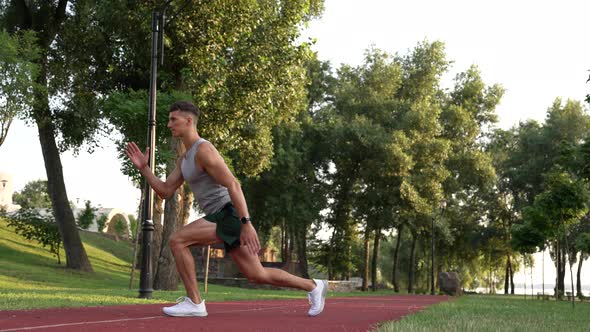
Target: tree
(132,225)
(33,225)
(33,195)
(468,114)
(421,190)
(361,143)
(101,222)
(289,194)
(64,98)
(546,160)
(86,216)
(244,70)
(365,99)
(176,214)
(502,210)
(126,112)
(118,227)
(17,69)
(561,205)
(583,246)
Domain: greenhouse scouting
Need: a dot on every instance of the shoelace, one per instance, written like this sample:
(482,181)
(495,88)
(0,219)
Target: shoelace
(181,299)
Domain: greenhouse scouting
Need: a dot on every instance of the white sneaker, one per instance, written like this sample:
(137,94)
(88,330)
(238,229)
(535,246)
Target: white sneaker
(317,297)
(185,307)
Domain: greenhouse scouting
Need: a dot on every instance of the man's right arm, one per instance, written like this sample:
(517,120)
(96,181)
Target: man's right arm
(164,189)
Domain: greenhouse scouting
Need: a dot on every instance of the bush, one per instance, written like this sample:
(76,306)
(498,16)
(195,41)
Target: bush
(31,225)
(133,226)
(86,217)
(119,226)
(102,220)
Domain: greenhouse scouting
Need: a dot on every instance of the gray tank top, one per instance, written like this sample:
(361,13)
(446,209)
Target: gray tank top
(210,195)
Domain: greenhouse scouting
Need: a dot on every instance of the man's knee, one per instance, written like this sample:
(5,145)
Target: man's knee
(176,241)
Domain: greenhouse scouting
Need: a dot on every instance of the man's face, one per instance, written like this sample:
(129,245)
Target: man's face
(179,122)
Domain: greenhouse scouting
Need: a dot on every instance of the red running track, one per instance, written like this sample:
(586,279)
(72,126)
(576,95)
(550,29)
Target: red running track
(340,314)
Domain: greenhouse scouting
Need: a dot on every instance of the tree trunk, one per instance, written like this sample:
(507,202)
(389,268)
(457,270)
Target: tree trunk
(329,258)
(511,279)
(349,231)
(557,289)
(188,199)
(543,272)
(138,233)
(579,278)
(166,277)
(557,269)
(58,254)
(375,258)
(439,268)
(507,274)
(291,247)
(562,268)
(394,280)
(287,248)
(343,229)
(571,259)
(366,258)
(46,20)
(283,241)
(411,267)
(76,257)
(302,252)
(158,229)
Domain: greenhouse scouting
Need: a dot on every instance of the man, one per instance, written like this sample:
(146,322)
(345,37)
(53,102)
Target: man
(227,220)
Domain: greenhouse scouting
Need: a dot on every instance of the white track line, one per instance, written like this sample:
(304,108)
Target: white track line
(74,324)
(27,328)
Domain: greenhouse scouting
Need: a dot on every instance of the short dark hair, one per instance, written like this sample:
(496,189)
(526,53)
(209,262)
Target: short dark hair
(185,106)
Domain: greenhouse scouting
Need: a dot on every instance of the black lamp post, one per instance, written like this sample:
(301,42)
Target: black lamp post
(158,24)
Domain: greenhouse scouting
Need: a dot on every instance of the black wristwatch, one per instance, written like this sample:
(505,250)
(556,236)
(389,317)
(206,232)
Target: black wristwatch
(245,220)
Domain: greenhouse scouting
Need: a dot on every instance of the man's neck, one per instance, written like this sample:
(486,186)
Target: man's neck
(190,139)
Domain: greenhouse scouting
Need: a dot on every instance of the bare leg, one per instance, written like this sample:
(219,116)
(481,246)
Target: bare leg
(200,232)
(253,270)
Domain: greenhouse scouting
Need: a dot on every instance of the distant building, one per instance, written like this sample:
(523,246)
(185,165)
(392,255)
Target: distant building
(6,190)
(112,214)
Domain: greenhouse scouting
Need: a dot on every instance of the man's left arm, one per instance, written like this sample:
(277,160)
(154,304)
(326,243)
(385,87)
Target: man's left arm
(212,162)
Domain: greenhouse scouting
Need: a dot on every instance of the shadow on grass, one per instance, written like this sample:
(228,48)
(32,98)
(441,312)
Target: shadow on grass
(25,258)
(122,250)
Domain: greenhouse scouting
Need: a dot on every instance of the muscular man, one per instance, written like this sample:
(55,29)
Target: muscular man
(227,220)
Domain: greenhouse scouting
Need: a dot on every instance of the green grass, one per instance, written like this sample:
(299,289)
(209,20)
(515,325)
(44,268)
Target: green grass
(31,278)
(496,313)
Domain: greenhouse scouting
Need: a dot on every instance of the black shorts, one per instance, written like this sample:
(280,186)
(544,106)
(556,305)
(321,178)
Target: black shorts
(229,226)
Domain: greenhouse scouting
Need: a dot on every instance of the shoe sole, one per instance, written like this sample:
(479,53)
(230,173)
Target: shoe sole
(324,292)
(197,314)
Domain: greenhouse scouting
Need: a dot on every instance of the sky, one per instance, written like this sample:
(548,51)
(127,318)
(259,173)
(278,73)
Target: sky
(537,50)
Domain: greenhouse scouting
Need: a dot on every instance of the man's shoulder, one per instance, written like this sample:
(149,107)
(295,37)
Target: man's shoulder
(205,147)
(206,152)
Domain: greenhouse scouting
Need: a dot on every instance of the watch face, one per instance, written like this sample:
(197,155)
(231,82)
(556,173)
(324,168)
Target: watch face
(245,220)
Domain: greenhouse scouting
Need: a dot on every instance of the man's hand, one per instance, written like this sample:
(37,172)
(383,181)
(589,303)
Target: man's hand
(139,159)
(249,239)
